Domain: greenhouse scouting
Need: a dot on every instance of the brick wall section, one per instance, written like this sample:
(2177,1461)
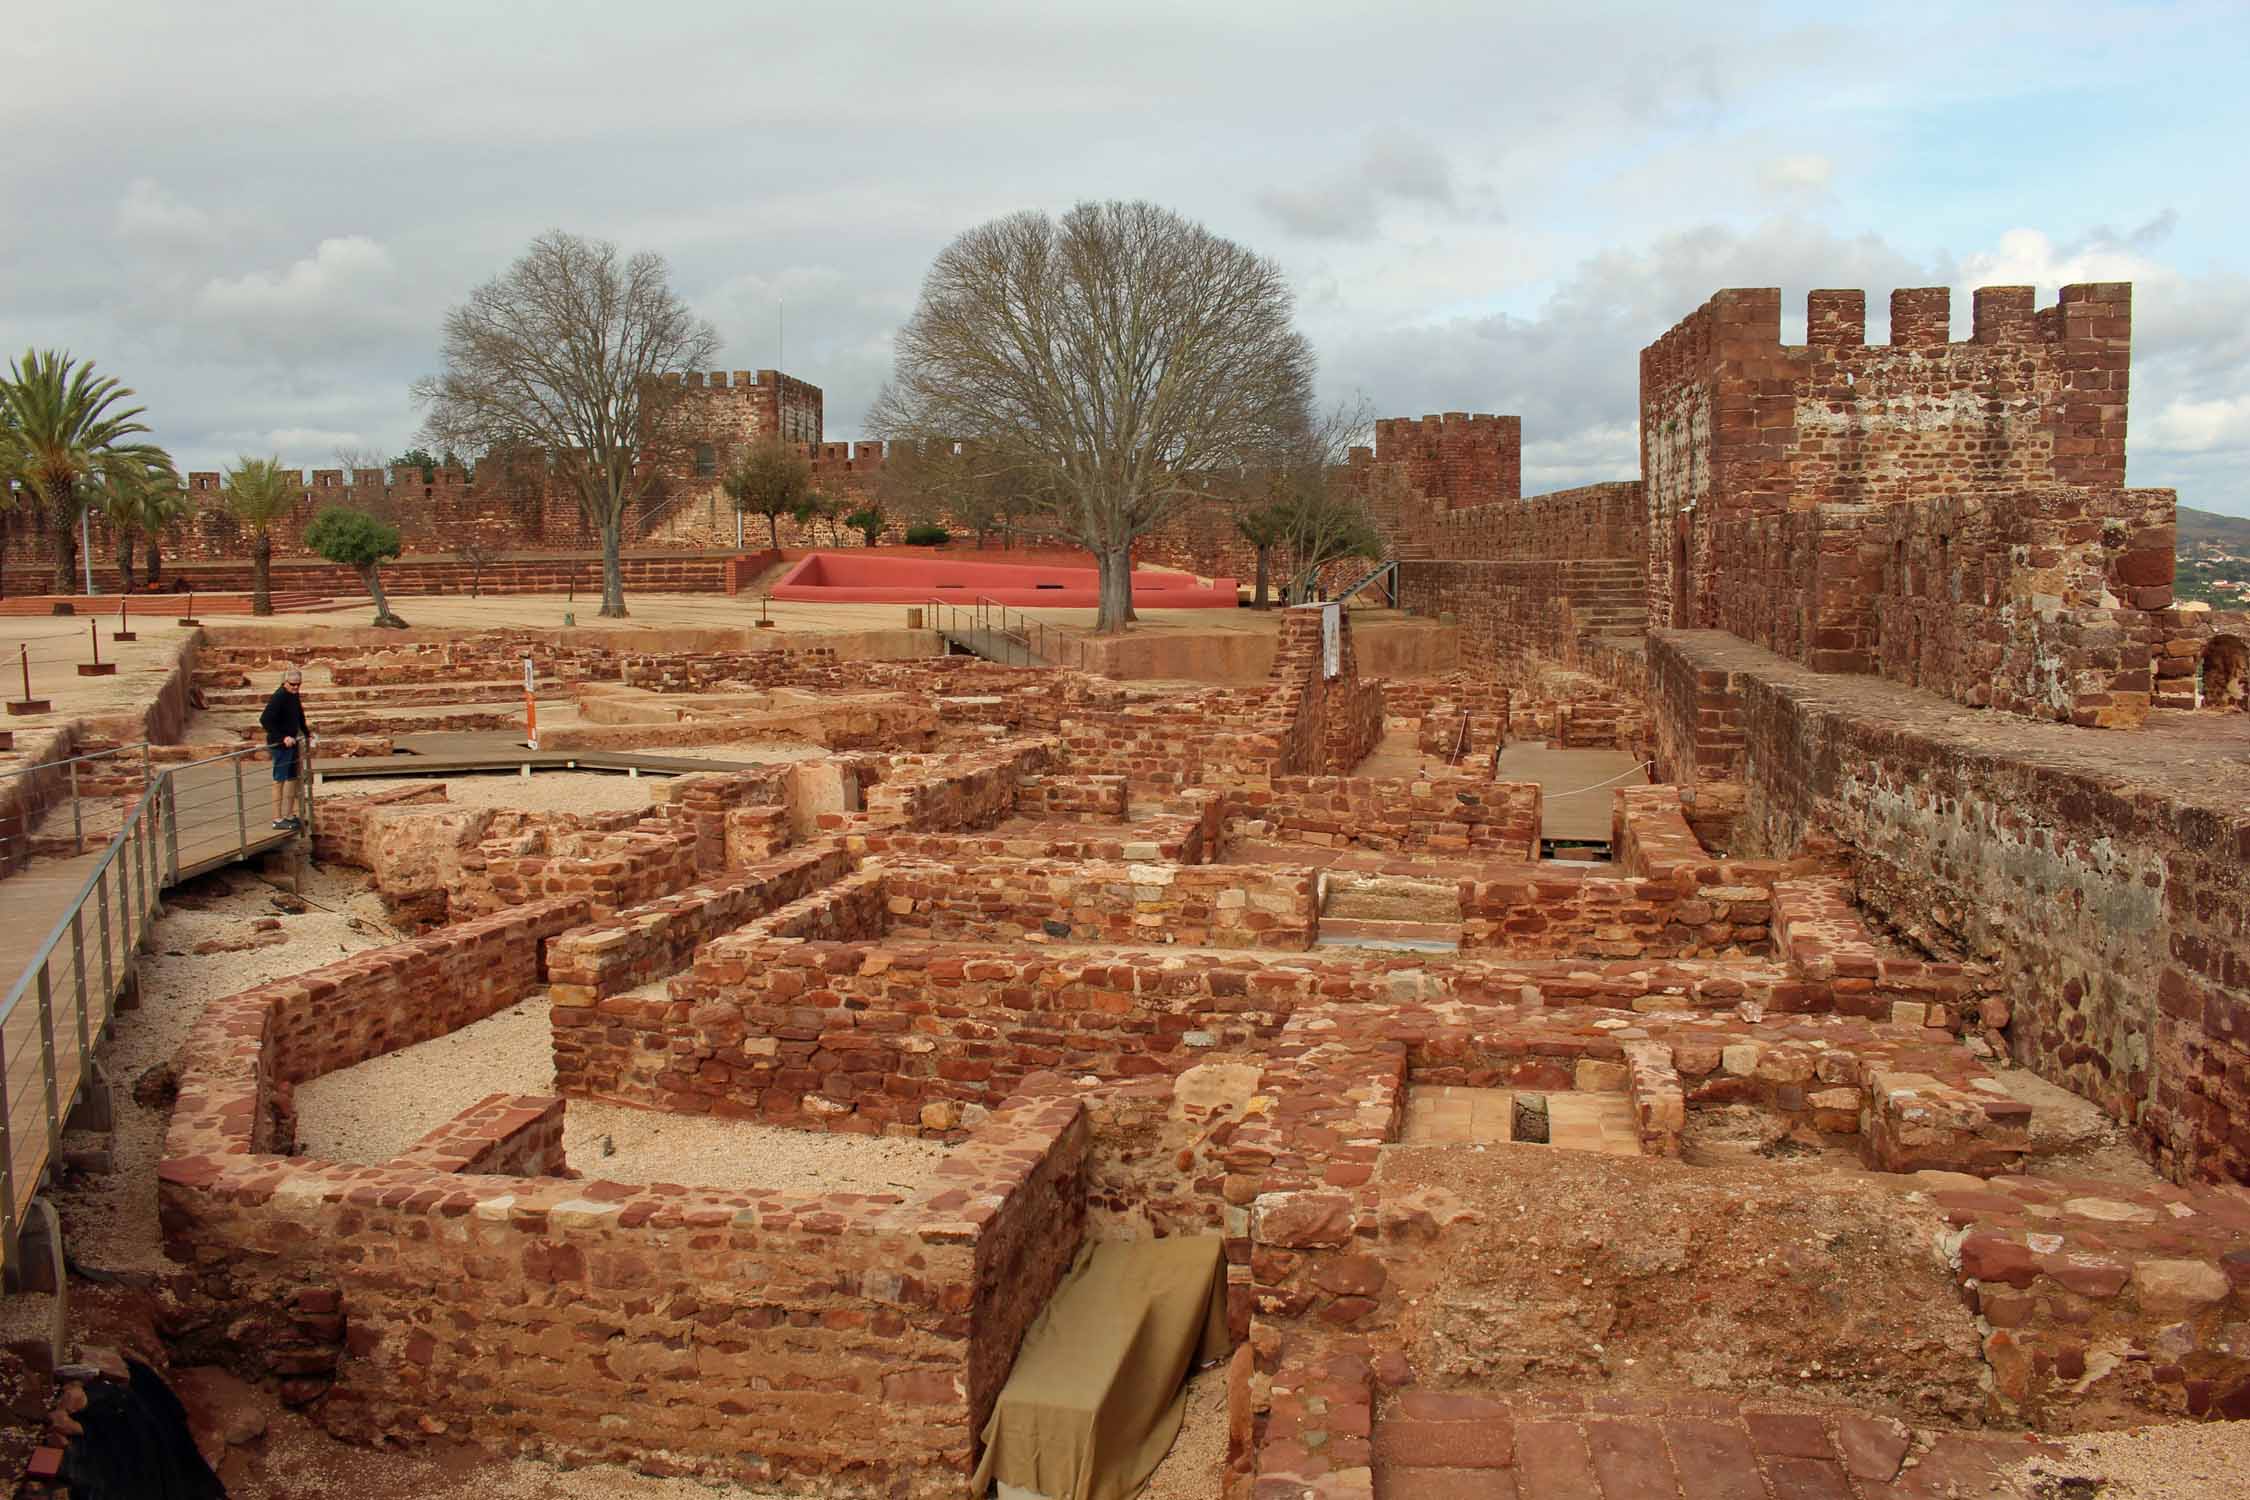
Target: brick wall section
(1173,838)
(1330,723)
(975,790)
(1093,799)
(1434,814)
(1506,608)
(651,941)
(2110,898)
(1560,909)
(2053,602)
(609,871)
(340,824)
(703,803)
(1209,906)
(1607,520)
(501,1135)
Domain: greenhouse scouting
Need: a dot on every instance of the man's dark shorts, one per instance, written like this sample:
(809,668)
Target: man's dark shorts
(284,761)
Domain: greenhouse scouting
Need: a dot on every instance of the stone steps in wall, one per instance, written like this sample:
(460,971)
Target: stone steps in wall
(1403,937)
(1392,898)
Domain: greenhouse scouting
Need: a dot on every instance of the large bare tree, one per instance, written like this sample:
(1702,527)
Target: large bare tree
(1110,361)
(565,352)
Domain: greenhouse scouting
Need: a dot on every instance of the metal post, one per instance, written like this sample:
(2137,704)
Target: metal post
(109,967)
(78,985)
(171,815)
(77,817)
(241,812)
(7,1162)
(47,1056)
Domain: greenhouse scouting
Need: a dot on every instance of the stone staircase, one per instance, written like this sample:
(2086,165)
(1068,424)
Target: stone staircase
(1609,596)
(1404,913)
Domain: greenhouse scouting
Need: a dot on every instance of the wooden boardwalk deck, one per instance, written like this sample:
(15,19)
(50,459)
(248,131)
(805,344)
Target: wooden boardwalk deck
(1584,815)
(218,813)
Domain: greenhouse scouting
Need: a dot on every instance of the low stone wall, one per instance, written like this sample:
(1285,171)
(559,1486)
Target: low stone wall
(1201,905)
(1557,909)
(1084,798)
(2108,898)
(855,1343)
(969,791)
(609,871)
(501,1135)
(1463,815)
(891,1034)
(1169,838)
(648,942)
(340,824)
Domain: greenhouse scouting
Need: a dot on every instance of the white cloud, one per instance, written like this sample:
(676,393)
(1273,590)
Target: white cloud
(148,212)
(311,440)
(2189,426)
(1797,172)
(337,275)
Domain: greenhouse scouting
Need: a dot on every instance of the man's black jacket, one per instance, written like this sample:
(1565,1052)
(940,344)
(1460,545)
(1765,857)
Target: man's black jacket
(284,715)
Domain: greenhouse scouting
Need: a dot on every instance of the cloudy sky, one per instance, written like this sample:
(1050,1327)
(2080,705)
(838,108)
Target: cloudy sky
(256,214)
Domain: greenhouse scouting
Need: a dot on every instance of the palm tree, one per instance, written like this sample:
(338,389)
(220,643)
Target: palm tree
(260,491)
(139,506)
(162,508)
(72,435)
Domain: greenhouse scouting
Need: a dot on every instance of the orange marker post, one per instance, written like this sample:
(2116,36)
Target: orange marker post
(530,708)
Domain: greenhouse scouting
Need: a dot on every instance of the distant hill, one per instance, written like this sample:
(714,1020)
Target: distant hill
(2209,526)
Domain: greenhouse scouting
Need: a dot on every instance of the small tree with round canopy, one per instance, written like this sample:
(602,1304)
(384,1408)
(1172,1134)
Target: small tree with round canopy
(360,542)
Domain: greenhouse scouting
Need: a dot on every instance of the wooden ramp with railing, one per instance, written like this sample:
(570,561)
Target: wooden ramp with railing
(67,947)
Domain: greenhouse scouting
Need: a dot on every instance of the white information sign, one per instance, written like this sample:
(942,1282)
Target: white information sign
(1331,639)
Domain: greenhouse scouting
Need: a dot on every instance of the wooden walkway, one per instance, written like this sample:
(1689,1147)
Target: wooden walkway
(499,750)
(1585,815)
(218,813)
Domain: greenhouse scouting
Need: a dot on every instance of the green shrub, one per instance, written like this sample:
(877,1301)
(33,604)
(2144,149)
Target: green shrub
(927,534)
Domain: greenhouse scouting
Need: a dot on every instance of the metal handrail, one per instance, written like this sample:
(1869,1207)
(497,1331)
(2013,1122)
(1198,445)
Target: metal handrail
(1390,567)
(1032,635)
(142,858)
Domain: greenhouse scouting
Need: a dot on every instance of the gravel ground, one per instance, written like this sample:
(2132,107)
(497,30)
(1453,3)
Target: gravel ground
(109,1221)
(26,1315)
(765,753)
(1190,1471)
(2190,1461)
(371,1112)
(543,791)
(299,1462)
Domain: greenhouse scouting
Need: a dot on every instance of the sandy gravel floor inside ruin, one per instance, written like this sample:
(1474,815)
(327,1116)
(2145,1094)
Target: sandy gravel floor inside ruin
(109,1221)
(543,791)
(372,1112)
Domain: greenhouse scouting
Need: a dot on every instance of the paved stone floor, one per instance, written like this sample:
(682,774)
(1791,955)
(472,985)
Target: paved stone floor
(1449,1114)
(1436,1446)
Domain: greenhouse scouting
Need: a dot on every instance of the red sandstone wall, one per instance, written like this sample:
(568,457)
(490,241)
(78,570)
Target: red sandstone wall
(2112,904)
(1457,459)
(1736,424)
(1496,819)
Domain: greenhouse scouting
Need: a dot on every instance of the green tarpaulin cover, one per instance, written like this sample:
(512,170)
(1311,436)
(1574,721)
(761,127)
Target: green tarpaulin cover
(1096,1395)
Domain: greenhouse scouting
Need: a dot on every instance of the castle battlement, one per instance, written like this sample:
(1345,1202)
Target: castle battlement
(1739,320)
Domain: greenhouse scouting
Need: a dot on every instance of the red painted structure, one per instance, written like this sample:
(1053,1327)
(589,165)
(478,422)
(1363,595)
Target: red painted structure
(871,578)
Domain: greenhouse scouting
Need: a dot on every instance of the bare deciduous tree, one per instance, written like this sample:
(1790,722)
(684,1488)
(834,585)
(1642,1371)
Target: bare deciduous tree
(564,351)
(1111,362)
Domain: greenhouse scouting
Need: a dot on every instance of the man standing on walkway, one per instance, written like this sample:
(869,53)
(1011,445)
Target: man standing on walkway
(287,735)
